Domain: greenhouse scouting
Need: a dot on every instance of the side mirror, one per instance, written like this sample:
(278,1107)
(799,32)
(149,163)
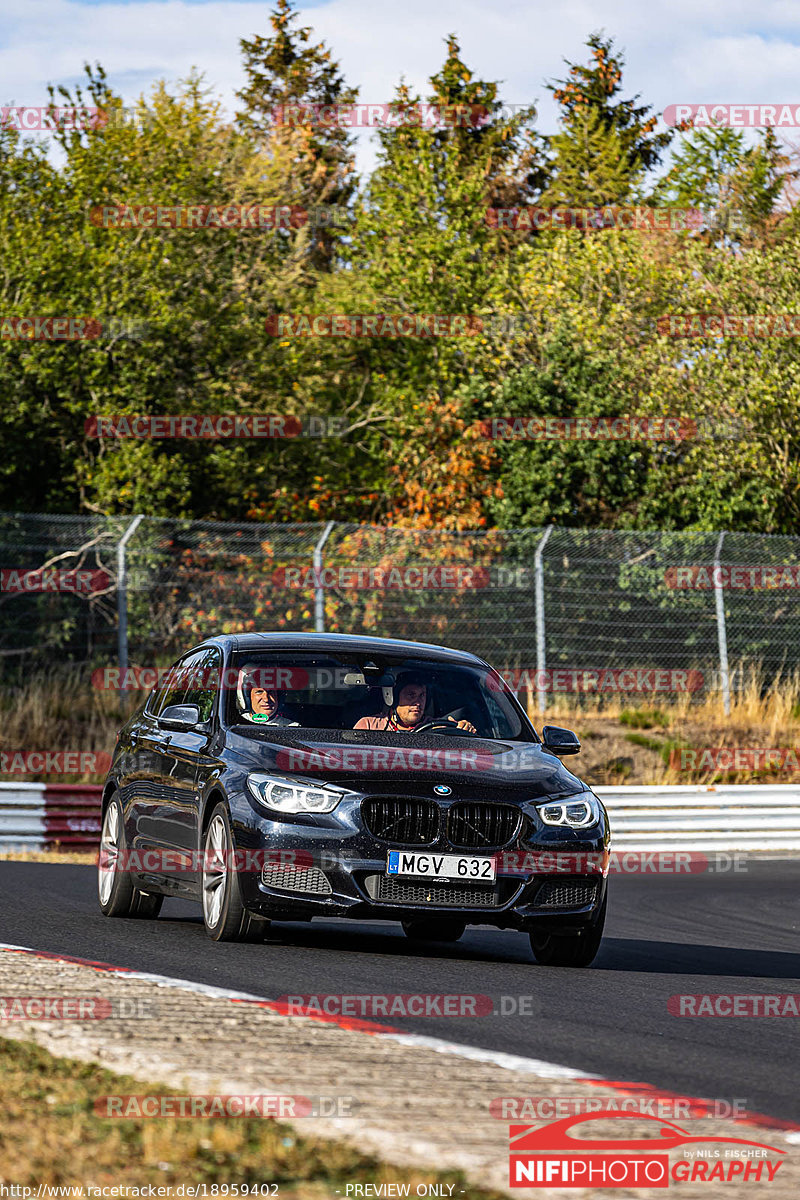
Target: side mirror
(180,716)
(560,741)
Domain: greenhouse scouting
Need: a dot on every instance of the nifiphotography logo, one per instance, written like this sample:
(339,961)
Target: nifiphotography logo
(556,1155)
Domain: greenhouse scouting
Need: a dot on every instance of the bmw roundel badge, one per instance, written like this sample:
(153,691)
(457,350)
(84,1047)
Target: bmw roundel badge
(442,789)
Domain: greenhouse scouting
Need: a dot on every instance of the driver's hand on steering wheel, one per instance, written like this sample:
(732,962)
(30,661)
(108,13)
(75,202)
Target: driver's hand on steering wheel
(466,725)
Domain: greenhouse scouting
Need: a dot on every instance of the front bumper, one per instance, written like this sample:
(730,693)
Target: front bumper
(331,866)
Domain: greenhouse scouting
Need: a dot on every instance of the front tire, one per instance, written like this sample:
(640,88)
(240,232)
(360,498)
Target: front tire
(117,895)
(224,915)
(570,950)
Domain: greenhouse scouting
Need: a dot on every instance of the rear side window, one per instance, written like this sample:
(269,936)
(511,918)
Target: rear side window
(193,680)
(184,680)
(159,693)
(203,681)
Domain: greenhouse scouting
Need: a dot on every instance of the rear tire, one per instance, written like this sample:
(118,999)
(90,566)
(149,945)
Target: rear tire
(224,915)
(433,929)
(117,895)
(570,950)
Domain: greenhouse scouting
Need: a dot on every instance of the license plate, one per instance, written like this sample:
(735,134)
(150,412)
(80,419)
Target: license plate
(441,866)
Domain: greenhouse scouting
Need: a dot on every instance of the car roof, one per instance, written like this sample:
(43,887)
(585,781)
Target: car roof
(342,642)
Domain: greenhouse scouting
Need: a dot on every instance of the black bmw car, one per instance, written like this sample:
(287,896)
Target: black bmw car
(282,777)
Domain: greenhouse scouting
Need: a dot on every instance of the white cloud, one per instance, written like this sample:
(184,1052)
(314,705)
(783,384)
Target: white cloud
(687,51)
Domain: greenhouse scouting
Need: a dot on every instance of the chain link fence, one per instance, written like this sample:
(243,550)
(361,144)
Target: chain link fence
(557,609)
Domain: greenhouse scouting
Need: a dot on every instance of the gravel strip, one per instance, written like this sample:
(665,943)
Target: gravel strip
(410,1104)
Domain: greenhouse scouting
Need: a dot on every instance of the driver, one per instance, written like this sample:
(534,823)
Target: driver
(257,701)
(407,710)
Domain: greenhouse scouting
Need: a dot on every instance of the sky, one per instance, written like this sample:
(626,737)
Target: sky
(677,51)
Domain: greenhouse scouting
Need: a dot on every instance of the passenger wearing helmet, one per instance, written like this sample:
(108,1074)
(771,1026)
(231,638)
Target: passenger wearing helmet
(406,707)
(257,700)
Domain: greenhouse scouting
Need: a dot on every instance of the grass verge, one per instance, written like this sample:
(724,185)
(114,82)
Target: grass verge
(50,1134)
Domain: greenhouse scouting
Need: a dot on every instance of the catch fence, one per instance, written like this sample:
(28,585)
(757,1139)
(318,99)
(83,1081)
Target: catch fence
(559,610)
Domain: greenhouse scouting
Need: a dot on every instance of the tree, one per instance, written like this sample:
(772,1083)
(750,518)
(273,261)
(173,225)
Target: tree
(289,79)
(738,185)
(590,165)
(424,247)
(605,145)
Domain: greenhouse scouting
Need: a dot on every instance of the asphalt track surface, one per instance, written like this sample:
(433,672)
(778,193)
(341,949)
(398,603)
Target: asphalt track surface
(665,935)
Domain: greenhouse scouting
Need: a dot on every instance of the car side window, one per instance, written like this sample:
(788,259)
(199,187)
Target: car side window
(204,681)
(159,693)
(184,678)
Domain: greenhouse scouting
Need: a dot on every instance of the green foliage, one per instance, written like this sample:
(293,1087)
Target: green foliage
(738,185)
(413,451)
(646,743)
(643,718)
(288,81)
(605,144)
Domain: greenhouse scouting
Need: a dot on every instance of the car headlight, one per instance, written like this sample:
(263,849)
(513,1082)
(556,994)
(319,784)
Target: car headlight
(283,795)
(576,814)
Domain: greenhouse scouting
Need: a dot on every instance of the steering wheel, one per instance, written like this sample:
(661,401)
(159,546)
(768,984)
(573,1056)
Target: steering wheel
(443,725)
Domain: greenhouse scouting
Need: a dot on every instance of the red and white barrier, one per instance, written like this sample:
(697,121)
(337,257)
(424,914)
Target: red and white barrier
(724,817)
(45,816)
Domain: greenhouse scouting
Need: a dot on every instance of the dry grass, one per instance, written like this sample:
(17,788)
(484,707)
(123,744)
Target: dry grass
(625,739)
(51,1135)
(629,741)
(61,711)
(754,701)
(81,857)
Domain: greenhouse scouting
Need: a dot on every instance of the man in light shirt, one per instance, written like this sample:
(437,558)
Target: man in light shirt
(408,710)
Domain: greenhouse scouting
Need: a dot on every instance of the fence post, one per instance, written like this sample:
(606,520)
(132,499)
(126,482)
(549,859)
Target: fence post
(540,645)
(122,597)
(722,636)
(319,591)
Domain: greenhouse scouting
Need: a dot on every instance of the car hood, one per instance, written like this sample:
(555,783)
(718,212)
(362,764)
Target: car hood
(362,758)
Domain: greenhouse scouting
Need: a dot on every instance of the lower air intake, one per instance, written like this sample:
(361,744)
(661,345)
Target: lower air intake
(565,895)
(444,895)
(295,879)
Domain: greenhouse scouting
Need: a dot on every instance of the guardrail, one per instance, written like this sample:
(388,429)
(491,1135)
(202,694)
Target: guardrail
(40,816)
(694,817)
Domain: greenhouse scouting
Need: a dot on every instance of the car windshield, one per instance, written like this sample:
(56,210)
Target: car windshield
(392,695)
